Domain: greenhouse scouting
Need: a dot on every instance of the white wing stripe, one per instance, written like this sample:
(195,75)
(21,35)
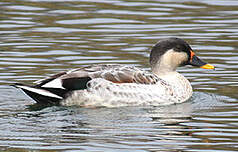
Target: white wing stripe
(56,83)
(40,91)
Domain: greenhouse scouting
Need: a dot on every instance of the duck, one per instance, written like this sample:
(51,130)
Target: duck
(116,85)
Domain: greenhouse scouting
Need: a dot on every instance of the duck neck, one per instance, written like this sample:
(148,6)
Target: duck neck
(163,67)
(168,62)
(160,70)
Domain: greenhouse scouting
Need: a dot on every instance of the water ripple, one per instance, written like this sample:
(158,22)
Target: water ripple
(41,37)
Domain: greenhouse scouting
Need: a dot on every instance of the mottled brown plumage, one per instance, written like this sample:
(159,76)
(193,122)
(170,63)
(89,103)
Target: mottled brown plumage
(112,72)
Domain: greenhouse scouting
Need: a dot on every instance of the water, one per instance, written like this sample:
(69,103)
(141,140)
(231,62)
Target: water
(43,37)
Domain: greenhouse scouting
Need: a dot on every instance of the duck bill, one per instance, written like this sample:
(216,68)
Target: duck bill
(195,61)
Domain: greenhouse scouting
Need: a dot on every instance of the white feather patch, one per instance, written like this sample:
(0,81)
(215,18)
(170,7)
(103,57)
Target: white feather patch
(40,91)
(56,83)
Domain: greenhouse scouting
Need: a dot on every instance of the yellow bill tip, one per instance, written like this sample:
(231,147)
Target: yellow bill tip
(207,66)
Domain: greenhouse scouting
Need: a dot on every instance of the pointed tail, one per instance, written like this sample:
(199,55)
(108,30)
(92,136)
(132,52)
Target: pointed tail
(41,95)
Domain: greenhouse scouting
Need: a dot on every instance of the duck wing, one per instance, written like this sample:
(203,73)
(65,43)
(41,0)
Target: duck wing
(77,79)
(60,85)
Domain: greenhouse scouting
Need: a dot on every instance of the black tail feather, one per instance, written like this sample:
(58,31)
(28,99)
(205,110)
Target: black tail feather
(40,98)
(53,96)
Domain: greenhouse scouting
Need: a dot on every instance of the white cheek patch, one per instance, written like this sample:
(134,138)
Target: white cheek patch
(56,83)
(40,91)
(179,58)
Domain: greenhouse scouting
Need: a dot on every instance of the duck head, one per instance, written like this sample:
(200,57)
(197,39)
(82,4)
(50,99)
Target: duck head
(168,54)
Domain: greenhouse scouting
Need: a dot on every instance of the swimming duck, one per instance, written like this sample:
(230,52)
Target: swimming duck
(114,85)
